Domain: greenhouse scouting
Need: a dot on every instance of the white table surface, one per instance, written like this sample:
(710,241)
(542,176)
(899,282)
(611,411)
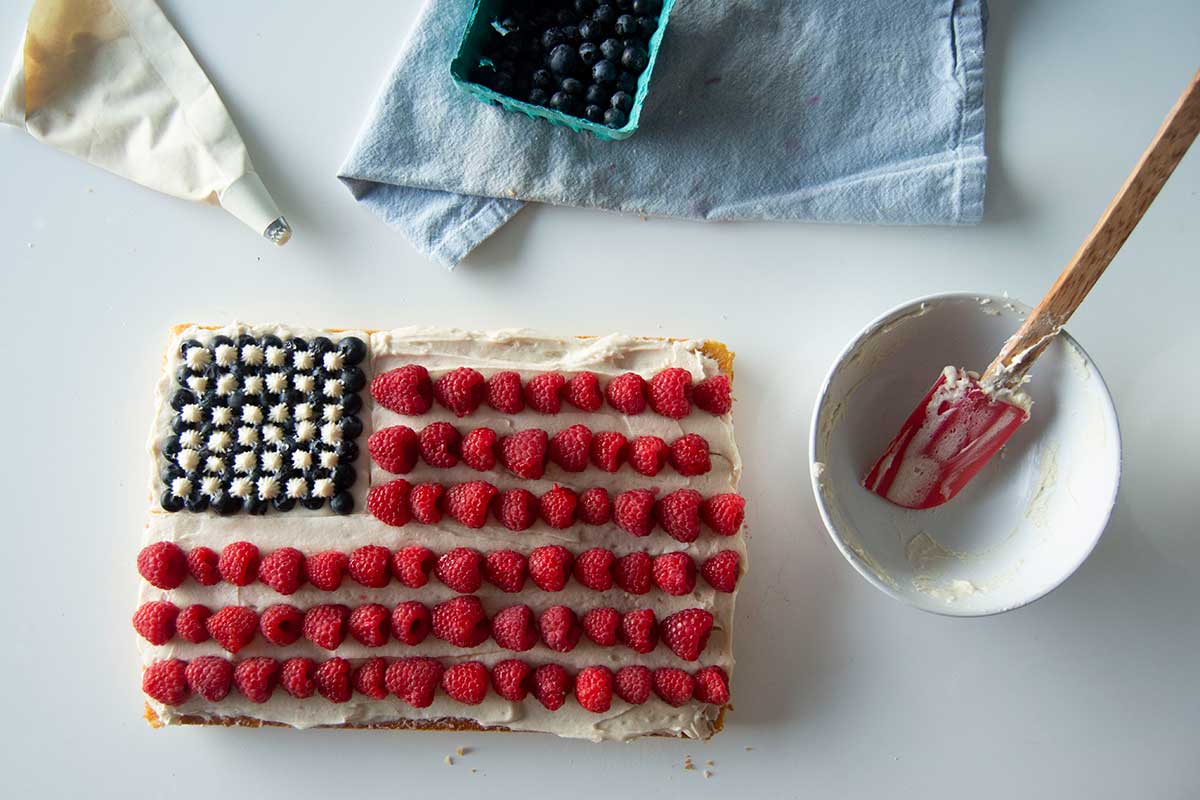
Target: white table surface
(840,691)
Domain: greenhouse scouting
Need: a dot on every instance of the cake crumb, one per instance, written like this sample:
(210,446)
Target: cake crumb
(473,770)
(709,763)
(462,751)
(687,763)
(748,748)
(707,774)
(449,761)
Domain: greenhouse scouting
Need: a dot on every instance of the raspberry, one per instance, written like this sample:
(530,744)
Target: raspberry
(479,449)
(166,681)
(549,567)
(282,570)
(468,502)
(639,630)
(627,393)
(569,448)
(202,566)
(510,679)
(724,513)
(191,624)
(689,455)
(460,390)
(557,507)
(686,632)
(425,502)
(542,392)
(647,455)
(333,680)
(595,507)
(712,686)
(517,509)
(325,570)
(233,627)
(503,392)
(440,444)
(524,453)
(714,394)
(281,624)
(675,573)
(583,392)
(155,621)
(601,625)
(407,390)
(370,624)
(296,676)
(594,689)
(395,449)
(505,569)
(669,392)
(414,680)
(461,621)
(411,565)
(633,511)
(634,684)
(559,628)
(721,570)
(325,625)
(467,682)
(388,502)
(210,677)
(368,566)
(673,685)
(162,564)
(632,572)
(593,568)
(608,450)
(239,563)
(679,514)
(550,686)
(370,678)
(459,569)
(513,628)
(410,622)
(255,678)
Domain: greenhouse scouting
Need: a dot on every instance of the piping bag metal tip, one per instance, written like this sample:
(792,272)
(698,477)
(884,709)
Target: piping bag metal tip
(279,231)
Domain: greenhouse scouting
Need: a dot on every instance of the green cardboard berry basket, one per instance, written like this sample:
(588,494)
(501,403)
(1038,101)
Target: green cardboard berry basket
(484,21)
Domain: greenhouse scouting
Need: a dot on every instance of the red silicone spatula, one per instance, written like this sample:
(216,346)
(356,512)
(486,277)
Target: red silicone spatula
(965,418)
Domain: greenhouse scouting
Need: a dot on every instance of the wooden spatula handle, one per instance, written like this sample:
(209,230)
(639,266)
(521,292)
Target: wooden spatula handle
(1118,221)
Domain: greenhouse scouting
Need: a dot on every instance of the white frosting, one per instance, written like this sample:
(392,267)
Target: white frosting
(333,388)
(305,431)
(329,459)
(219,441)
(210,485)
(245,462)
(226,355)
(279,413)
(330,433)
(252,415)
(190,413)
(333,361)
(226,384)
(302,459)
(302,359)
(276,357)
(222,415)
(276,382)
(303,411)
(241,487)
(304,383)
(331,414)
(322,487)
(252,355)
(247,436)
(440,350)
(297,488)
(214,464)
(198,358)
(181,487)
(197,383)
(190,438)
(252,385)
(272,460)
(188,459)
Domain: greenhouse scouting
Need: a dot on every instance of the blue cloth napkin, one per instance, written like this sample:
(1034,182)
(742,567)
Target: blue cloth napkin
(820,110)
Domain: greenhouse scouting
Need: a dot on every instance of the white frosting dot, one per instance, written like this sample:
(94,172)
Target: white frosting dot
(181,487)
(244,462)
(305,431)
(226,355)
(197,383)
(323,487)
(219,441)
(331,433)
(303,411)
(333,360)
(226,384)
(329,459)
(188,459)
(279,413)
(190,438)
(276,357)
(302,359)
(252,355)
(222,415)
(252,384)
(276,382)
(247,436)
(241,487)
(333,387)
(190,413)
(214,464)
(302,459)
(297,488)
(304,383)
(252,415)
(197,358)
(272,461)
(211,485)
(268,487)
(332,413)
(272,434)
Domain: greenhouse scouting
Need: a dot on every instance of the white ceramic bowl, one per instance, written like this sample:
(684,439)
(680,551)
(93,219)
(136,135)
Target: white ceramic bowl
(1025,522)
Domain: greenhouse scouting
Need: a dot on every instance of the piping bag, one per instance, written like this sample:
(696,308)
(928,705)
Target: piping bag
(112,82)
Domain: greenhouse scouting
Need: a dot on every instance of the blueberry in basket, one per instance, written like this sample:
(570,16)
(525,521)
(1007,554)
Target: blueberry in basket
(581,59)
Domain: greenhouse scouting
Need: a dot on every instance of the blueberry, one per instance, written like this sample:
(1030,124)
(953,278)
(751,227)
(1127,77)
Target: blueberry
(244,340)
(170,447)
(313,503)
(182,374)
(295,344)
(634,58)
(596,95)
(179,426)
(170,472)
(647,26)
(351,426)
(572,35)
(503,82)
(604,71)
(565,16)
(283,503)
(220,340)
(226,505)
(561,101)
(353,350)
(347,451)
(590,30)
(351,404)
(187,345)
(627,82)
(563,60)
(182,398)
(626,25)
(612,49)
(196,502)
(572,87)
(594,113)
(320,346)
(615,118)
(255,506)
(543,79)
(622,100)
(624,5)
(538,97)
(589,53)
(343,476)
(552,37)
(647,6)
(342,503)
(584,7)
(353,379)
(605,14)
(170,502)
(236,400)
